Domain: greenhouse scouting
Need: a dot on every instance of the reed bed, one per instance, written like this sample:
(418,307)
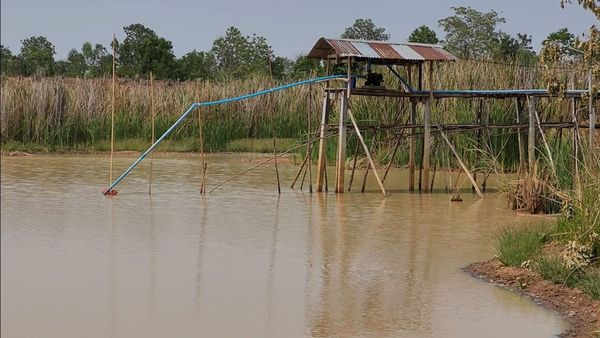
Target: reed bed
(65,113)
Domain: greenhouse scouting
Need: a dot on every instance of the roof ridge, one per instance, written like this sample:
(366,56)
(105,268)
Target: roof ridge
(408,43)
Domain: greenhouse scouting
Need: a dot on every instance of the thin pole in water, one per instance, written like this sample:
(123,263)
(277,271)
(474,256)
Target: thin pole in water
(112,118)
(201,132)
(153,113)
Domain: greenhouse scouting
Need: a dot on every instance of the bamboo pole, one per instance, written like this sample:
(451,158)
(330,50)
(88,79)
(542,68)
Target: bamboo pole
(274,141)
(462,164)
(531,137)
(202,154)
(153,116)
(433,176)
(112,115)
(258,165)
(353,165)
(366,149)
(299,172)
(552,166)
(520,140)
(364,182)
(575,131)
(387,169)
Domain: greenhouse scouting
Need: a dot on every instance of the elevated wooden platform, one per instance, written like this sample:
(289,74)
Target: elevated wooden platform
(440,94)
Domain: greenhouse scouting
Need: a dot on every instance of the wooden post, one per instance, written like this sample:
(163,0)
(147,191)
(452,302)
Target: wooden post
(520,140)
(341,153)
(426,144)
(413,139)
(479,140)
(202,155)
(420,84)
(341,150)
(531,137)
(322,160)
(539,123)
(427,130)
(112,116)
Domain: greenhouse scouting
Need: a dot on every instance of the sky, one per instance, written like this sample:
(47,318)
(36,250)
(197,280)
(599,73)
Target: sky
(291,27)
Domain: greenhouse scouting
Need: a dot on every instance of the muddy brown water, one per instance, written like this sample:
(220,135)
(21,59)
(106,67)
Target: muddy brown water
(243,262)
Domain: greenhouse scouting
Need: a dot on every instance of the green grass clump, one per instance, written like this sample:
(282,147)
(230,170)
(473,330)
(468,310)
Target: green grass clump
(515,245)
(553,269)
(589,283)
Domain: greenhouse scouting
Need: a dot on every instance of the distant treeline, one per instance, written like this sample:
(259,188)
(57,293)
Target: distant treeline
(468,34)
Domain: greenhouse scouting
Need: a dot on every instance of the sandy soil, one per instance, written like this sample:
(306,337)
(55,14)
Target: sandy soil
(582,312)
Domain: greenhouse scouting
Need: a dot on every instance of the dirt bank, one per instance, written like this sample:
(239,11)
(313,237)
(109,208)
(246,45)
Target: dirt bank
(582,312)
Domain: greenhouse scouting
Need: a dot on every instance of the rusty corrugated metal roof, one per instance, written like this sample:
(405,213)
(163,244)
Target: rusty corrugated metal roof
(383,50)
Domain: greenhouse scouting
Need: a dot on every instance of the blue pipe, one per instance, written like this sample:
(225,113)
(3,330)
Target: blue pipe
(212,103)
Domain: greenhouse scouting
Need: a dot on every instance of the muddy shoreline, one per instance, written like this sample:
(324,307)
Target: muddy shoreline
(580,310)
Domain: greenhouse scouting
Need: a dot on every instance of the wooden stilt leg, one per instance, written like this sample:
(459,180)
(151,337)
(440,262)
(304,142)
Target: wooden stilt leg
(322,160)
(341,150)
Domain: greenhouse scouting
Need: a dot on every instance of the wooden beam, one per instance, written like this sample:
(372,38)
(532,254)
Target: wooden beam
(462,164)
(366,149)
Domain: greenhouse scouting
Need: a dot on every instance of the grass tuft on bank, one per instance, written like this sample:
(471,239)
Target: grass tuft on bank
(516,245)
(567,252)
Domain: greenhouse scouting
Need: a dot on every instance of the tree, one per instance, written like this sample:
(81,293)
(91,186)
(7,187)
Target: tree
(97,60)
(143,51)
(9,64)
(470,33)
(510,48)
(423,34)
(196,66)
(75,66)
(240,56)
(302,67)
(564,39)
(365,29)
(37,55)
(231,50)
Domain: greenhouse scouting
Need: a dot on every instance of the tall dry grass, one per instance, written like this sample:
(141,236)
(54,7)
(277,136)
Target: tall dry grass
(68,113)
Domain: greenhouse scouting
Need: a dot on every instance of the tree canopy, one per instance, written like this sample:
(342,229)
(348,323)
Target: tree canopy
(37,55)
(365,29)
(143,51)
(423,34)
(470,33)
